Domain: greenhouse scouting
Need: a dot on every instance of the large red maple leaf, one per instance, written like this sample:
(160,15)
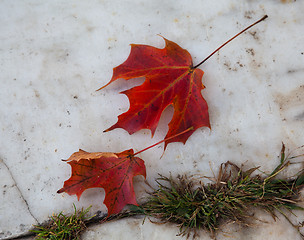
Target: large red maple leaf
(112,171)
(170,78)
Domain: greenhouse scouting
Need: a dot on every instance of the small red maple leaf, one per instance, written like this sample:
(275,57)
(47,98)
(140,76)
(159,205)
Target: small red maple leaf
(170,79)
(112,171)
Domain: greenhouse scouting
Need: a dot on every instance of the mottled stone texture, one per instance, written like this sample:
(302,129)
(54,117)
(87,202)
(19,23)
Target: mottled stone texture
(55,54)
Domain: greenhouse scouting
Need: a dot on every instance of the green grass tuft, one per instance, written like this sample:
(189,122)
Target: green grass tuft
(231,197)
(63,227)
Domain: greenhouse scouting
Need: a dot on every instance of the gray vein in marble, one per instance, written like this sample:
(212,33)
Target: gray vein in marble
(18,189)
(299,117)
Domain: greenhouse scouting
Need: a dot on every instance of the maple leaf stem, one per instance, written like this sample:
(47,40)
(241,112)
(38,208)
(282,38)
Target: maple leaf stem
(187,130)
(263,18)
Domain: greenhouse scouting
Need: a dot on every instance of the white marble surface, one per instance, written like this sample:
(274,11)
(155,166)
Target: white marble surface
(55,54)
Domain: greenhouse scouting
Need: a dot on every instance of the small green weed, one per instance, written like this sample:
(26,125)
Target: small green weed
(62,227)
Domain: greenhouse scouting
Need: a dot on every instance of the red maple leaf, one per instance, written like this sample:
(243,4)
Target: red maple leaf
(112,171)
(170,79)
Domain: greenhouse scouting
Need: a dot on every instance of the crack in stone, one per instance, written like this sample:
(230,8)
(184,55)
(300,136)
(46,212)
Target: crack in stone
(28,208)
